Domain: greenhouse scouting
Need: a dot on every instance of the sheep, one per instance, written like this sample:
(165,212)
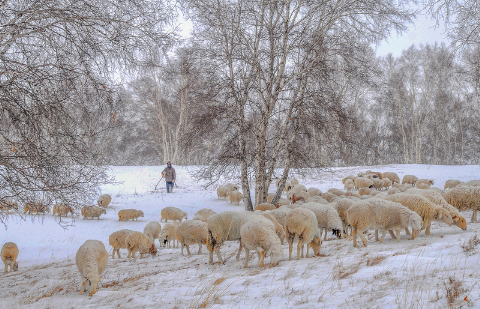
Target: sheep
(336,191)
(36,207)
(428,182)
(317,199)
(302,223)
(374,192)
(203,214)
(290,195)
(392,176)
(222,227)
(380,215)
(352,178)
(92,211)
(152,230)
(314,192)
(6,205)
(327,218)
(299,188)
(451,183)
(409,179)
(191,232)
(278,227)
(283,201)
(232,186)
(387,183)
(402,187)
(474,182)
(62,209)
(104,200)
(173,213)
(130,214)
(265,206)
(9,256)
(117,241)
(294,182)
(223,192)
(393,191)
(91,260)
(426,209)
(364,191)
(352,194)
(342,206)
(378,183)
(259,235)
(423,186)
(361,182)
(167,235)
(137,241)
(349,185)
(373,175)
(235,197)
(329,196)
(302,196)
(280,214)
(465,197)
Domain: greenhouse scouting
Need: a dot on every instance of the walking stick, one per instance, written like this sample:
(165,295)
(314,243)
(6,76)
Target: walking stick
(158,182)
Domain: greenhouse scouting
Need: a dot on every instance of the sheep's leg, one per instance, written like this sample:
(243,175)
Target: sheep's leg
(129,254)
(427,230)
(391,234)
(261,263)
(82,286)
(6,268)
(383,236)
(181,250)
(354,232)
(188,249)
(210,257)
(325,237)
(398,235)
(474,216)
(407,231)
(376,236)
(290,246)
(308,249)
(247,254)
(363,238)
(217,250)
(299,248)
(239,251)
(199,248)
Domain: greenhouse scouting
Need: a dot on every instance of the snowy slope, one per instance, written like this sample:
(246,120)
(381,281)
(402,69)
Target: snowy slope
(428,272)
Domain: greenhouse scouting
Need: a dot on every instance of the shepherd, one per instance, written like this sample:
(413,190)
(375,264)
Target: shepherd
(169,174)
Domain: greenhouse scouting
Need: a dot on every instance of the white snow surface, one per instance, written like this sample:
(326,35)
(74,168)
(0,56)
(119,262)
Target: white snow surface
(428,272)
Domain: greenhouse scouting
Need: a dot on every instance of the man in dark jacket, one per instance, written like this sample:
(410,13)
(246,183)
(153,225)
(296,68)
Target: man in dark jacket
(169,174)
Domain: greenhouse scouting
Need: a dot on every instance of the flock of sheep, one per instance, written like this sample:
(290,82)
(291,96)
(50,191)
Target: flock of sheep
(372,200)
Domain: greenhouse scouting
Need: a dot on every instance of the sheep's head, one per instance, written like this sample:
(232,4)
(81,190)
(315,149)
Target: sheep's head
(91,282)
(15,266)
(316,244)
(104,211)
(460,222)
(337,233)
(152,250)
(415,221)
(184,215)
(275,253)
(443,215)
(140,213)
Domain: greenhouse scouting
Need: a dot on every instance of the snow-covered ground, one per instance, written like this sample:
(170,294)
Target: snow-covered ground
(428,272)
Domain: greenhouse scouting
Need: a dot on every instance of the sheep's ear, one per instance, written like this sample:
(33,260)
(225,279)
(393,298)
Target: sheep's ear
(455,218)
(439,215)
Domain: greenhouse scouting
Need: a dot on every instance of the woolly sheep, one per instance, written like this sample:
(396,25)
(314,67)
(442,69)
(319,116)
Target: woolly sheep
(474,182)
(232,186)
(259,235)
(91,260)
(104,200)
(129,214)
(294,182)
(392,176)
(336,191)
(203,214)
(299,188)
(222,227)
(92,211)
(329,196)
(265,206)
(352,178)
(378,183)
(235,197)
(364,191)
(428,182)
(280,214)
(137,241)
(301,224)
(465,197)
(393,191)
(283,201)
(352,194)
(402,187)
(167,235)
(327,218)
(9,256)
(361,182)
(302,196)
(278,227)
(342,206)
(451,183)
(173,213)
(191,232)
(426,209)
(62,209)
(6,205)
(152,230)
(36,207)
(371,174)
(317,199)
(349,185)
(380,215)
(409,179)
(117,241)
(387,183)
(423,186)
(314,192)
(223,192)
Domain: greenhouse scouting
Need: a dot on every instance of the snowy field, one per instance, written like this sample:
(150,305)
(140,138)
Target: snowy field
(429,272)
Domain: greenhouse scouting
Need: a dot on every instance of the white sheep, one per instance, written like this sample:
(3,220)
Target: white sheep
(302,196)
(129,214)
(351,177)
(91,260)
(451,183)
(92,211)
(104,200)
(409,179)
(387,183)
(283,201)
(336,191)
(302,224)
(152,230)
(191,232)
(422,186)
(361,182)
(280,214)
(223,192)
(314,192)
(278,227)
(265,206)
(9,256)
(364,191)
(342,206)
(330,197)
(299,188)
(475,182)
(317,199)
(294,182)
(173,213)
(378,183)
(117,241)
(222,227)
(6,205)
(349,185)
(392,176)
(259,235)
(62,209)
(137,241)
(167,235)
(465,197)
(36,207)
(232,186)
(327,218)
(235,197)
(203,214)
(428,182)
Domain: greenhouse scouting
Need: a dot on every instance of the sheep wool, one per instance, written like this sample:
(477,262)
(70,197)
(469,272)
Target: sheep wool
(349,185)
(465,197)
(327,218)
(235,197)
(203,214)
(129,214)
(299,188)
(117,241)
(91,260)
(167,235)
(301,224)
(62,209)
(35,207)
(361,182)
(409,179)
(392,176)
(92,212)
(191,232)
(223,192)
(137,241)
(152,230)
(265,206)
(9,256)
(314,192)
(222,227)
(104,200)
(173,213)
(451,183)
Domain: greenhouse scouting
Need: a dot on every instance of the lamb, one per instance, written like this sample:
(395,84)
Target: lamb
(152,230)
(409,179)
(259,235)
(314,192)
(62,209)
(361,182)
(327,218)
(223,192)
(380,215)
(427,210)
(191,232)
(92,211)
(235,197)
(129,214)
(336,191)
(9,256)
(387,183)
(302,196)
(173,213)
(222,227)
(104,200)
(117,241)
(392,176)
(36,207)
(302,223)
(265,206)
(299,188)
(451,183)
(91,260)
(203,214)
(349,185)
(167,235)
(465,197)
(137,241)
(6,205)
